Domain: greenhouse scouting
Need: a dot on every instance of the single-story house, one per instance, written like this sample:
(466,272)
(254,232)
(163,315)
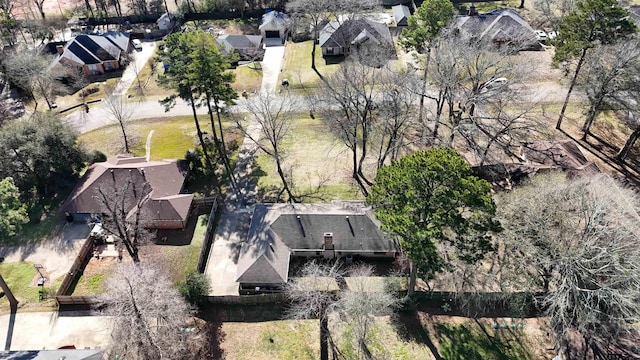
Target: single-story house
(502,26)
(249,47)
(401,15)
(158,184)
(341,229)
(164,22)
(95,54)
(274,27)
(339,38)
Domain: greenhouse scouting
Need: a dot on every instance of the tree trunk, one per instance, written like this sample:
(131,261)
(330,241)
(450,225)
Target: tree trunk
(87,4)
(521,4)
(124,135)
(324,337)
(412,278)
(628,145)
(220,147)
(363,153)
(591,116)
(205,152)
(285,184)
(571,86)
(424,90)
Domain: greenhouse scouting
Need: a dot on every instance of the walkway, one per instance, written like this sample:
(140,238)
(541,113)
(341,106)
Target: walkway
(236,214)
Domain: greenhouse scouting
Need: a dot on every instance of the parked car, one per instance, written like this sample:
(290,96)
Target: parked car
(495,83)
(137,44)
(552,34)
(541,35)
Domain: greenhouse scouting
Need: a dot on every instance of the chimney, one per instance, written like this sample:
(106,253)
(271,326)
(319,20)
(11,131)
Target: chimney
(328,252)
(472,10)
(60,49)
(142,172)
(328,241)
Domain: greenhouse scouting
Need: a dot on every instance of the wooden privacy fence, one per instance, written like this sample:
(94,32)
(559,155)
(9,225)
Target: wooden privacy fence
(84,253)
(208,235)
(76,300)
(248,299)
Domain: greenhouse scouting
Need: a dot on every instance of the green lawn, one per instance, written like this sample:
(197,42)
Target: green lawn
(315,157)
(297,66)
(172,136)
(248,78)
(21,278)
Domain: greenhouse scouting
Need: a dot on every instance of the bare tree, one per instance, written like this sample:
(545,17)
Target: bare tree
(361,302)
(120,111)
(32,72)
(273,117)
(549,13)
(122,204)
(577,242)
(311,295)
(609,79)
(150,318)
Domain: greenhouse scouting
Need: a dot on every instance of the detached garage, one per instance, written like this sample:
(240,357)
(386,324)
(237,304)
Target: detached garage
(274,28)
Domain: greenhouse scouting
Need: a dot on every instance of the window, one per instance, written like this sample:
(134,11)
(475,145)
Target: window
(108,65)
(93,68)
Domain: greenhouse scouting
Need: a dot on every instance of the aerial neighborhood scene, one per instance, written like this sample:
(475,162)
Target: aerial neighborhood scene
(315,179)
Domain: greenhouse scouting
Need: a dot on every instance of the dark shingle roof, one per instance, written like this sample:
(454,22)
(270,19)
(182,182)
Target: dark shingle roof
(336,34)
(231,42)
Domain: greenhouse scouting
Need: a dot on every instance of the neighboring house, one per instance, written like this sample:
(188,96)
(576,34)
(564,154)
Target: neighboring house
(502,26)
(330,231)
(249,47)
(401,15)
(95,54)
(164,22)
(339,38)
(163,204)
(274,28)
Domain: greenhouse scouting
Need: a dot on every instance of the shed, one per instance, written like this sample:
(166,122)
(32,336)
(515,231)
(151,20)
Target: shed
(401,15)
(164,22)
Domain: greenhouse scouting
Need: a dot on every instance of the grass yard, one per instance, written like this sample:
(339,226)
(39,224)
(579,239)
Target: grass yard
(102,87)
(148,77)
(22,279)
(296,67)
(171,138)
(430,337)
(315,158)
(248,78)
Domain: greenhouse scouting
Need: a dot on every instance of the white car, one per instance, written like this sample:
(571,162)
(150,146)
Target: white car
(541,35)
(552,34)
(137,44)
(495,83)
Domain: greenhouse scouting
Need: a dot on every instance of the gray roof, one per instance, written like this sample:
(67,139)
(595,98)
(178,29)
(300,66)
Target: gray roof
(275,229)
(499,25)
(239,42)
(401,14)
(634,12)
(274,19)
(336,34)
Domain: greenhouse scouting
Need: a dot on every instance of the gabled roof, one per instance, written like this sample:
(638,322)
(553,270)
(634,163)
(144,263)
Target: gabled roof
(278,228)
(499,25)
(237,42)
(401,14)
(351,31)
(274,19)
(94,49)
(163,200)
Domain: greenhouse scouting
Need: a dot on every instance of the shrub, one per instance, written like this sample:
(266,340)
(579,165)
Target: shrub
(195,288)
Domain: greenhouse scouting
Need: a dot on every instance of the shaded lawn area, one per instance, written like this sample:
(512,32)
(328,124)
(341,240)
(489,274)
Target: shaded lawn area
(296,67)
(22,279)
(67,101)
(148,79)
(248,78)
(443,338)
(315,158)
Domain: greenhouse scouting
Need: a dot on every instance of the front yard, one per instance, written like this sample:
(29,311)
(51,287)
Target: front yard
(297,69)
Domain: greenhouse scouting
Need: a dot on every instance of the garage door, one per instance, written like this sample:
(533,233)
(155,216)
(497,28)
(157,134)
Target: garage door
(272,34)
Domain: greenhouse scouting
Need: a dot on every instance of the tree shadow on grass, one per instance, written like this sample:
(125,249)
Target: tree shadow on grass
(469,342)
(410,328)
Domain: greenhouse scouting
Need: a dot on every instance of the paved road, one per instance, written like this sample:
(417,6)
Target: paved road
(234,221)
(51,330)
